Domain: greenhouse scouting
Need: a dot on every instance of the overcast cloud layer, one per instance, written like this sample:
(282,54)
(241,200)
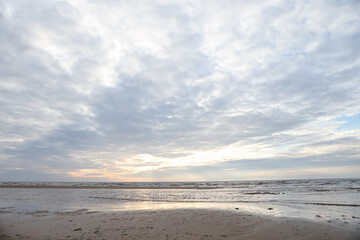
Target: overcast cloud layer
(179,90)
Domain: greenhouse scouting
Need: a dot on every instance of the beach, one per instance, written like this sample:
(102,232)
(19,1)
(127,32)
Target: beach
(159,119)
(167,224)
(294,209)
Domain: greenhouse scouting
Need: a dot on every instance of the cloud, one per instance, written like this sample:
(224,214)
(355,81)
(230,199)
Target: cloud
(112,90)
(310,173)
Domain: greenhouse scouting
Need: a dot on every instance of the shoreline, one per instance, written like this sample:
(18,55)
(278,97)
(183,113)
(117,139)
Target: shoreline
(106,187)
(167,224)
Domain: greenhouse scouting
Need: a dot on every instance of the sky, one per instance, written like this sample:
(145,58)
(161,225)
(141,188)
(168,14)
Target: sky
(182,90)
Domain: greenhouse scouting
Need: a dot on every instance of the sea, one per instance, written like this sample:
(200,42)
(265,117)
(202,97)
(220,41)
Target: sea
(315,199)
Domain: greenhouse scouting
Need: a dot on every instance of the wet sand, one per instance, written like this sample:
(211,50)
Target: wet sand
(166,224)
(102,187)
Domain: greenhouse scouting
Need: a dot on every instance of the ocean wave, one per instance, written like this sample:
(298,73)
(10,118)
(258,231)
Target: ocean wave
(334,204)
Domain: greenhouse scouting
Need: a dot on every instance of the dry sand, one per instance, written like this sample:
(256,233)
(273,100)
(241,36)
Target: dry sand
(166,224)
